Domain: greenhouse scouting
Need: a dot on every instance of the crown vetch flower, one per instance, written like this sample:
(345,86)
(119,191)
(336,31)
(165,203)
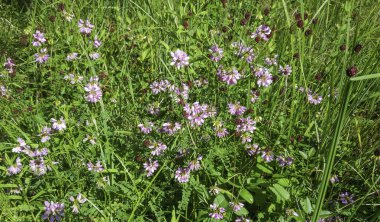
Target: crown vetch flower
(150,167)
(15,169)
(346,198)
(97,42)
(246,125)
(197,113)
(39,38)
(230,77)
(98,167)
(94,92)
(314,98)
(38,166)
(9,64)
(252,149)
(77,201)
(85,27)
(262,32)
(286,71)
(53,211)
(171,128)
(146,128)
(45,134)
(179,59)
(72,56)
(58,125)
(236,206)
(94,55)
(42,57)
(182,175)
(22,146)
(217,212)
(157,148)
(236,109)
(216,53)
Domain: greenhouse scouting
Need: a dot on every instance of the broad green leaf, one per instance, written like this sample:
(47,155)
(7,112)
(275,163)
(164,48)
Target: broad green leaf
(242,212)
(280,192)
(306,205)
(221,201)
(246,195)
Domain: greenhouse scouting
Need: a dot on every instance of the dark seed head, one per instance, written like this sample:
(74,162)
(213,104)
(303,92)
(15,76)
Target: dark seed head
(308,32)
(61,7)
(352,71)
(146,143)
(299,23)
(224,2)
(247,15)
(266,11)
(314,21)
(305,16)
(292,139)
(243,22)
(298,16)
(52,18)
(342,47)
(299,138)
(296,55)
(224,29)
(377,152)
(358,48)
(24,40)
(186,24)
(250,110)
(319,76)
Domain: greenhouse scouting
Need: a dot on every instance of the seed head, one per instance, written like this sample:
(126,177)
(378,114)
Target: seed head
(352,71)
(342,47)
(358,48)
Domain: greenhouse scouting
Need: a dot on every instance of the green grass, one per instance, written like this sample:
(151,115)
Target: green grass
(337,137)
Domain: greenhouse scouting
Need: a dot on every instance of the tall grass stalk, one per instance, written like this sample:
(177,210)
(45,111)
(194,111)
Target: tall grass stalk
(342,117)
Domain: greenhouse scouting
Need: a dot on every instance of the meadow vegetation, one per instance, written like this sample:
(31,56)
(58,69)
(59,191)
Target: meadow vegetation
(182,110)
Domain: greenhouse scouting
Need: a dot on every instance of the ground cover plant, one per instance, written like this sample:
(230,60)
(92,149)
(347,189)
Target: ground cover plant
(189,110)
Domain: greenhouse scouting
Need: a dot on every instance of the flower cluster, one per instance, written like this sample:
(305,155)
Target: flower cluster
(216,53)
(150,167)
(98,167)
(179,59)
(314,98)
(229,77)
(217,212)
(38,38)
(262,32)
(85,27)
(42,56)
(244,52)
(197,113)
(264,77)
(74,79)
(157,148)
(77,201)
(93,90)
(9,65)
(54,211)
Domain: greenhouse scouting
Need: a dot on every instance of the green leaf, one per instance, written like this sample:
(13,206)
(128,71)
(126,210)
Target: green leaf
(246,195)
(370,76)
(303,154)
(174,219)
(242,212)
(306,205)
(221,201)
(280,192)
(264,168)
